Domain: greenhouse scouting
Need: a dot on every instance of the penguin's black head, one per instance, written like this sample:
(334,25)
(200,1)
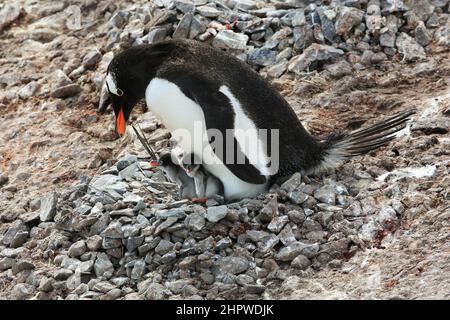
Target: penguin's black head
(127,77)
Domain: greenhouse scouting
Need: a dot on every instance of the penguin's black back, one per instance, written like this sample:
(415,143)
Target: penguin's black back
(263,104)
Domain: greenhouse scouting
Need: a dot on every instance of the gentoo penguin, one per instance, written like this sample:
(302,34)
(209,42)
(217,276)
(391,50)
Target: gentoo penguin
(207,186)
(201,93)
(176,174)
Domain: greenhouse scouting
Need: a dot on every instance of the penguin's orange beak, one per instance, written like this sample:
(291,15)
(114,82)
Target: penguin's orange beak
(121,123)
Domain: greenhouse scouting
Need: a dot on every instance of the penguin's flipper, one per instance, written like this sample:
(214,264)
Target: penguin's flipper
(219,115)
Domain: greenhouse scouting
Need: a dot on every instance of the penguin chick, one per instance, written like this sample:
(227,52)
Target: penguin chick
(207,186)
(176,174)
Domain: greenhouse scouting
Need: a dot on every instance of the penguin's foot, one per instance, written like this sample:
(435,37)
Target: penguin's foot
(199,200)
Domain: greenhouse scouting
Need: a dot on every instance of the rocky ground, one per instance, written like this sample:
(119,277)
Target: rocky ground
(84,217)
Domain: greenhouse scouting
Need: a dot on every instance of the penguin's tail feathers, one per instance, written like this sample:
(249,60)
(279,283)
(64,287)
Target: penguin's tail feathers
(342,146)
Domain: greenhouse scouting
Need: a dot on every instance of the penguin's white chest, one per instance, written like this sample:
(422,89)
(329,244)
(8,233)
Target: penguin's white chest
(185,119)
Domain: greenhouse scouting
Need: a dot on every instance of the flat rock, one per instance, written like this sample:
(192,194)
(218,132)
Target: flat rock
(215,214)
(315,52)
(410,49)
(48,207)
(66,91)
(227,39)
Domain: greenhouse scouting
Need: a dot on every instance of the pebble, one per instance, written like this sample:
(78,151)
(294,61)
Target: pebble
(103,266)
(77,249)
(227,39)
(66,91)
(233,265)
(48,207)
(409,48)
(215,214)
(315,52)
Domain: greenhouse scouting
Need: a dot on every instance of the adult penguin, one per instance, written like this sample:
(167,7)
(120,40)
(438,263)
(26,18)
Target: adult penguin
(194,88)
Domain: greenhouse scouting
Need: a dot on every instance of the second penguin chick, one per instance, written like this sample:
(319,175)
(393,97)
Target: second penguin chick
(207,186)
(176,174)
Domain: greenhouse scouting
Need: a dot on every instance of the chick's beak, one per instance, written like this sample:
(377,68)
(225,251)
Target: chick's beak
(121,123)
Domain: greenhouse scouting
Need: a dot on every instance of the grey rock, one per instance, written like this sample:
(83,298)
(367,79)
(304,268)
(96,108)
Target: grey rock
(177,212)
(77,249)
(91,59)
(327,25)
(154,36)
(134,242)
(262,57)
(197,28)
(315,52)
(297,197)
(425,68)
(267,243)
(326,194)
(291,251)
(421,34)
(387,39)
(62,274)
(278,68)
(168,258)
(103,266)
(286,235)
(185,6)
(46,284)
(257,235)
(3,179)
(301,262)
(224,243)
(114,230)
(165,224)
(387,216)
(119,19)
(122,213)
(11,252)
(292,183)
(156,291)
(339,69)
(277,223)
(348,18)
(227,39)
(6,263)
(14,228)
(183,28)
(215,214)
(254,288)
(103,286)
(298,19)
(48,207)
(410,49)
(9,13)
(29,90)
(125,161)
(67,91)
(243,4)
(195,222)
(111,243)
(19,239)
(230,264)
(138,270)
(163,247)
(22,291)
(209,11)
